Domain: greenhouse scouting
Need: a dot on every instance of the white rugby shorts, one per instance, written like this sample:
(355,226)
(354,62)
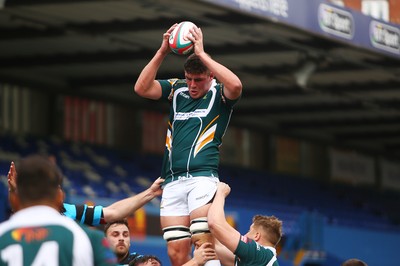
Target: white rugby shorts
(182,196)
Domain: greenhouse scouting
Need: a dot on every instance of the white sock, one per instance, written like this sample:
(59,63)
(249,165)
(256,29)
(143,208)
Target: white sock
(213,263)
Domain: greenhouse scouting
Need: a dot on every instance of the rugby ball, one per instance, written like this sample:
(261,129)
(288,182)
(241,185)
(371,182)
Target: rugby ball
(178,41)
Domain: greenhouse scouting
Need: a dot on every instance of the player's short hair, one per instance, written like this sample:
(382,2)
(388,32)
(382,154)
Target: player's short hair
(354,262)
(38,179)
(142,259)
(271,225)
(123,221)
(194,65)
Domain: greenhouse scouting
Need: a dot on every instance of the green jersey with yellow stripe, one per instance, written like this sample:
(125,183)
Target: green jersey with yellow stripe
(195,130)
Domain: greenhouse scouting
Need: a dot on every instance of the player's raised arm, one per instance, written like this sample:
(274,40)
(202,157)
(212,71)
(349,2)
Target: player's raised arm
(146,85)
(232,84)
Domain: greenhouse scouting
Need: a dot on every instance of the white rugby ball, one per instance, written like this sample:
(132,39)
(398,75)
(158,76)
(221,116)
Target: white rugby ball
(178,41)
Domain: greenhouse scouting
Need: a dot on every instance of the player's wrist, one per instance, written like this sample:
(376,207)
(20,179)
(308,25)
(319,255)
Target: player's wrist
(163,52)
(196,263)
(202,54)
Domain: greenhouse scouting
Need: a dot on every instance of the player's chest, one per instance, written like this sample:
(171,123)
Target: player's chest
(185,104)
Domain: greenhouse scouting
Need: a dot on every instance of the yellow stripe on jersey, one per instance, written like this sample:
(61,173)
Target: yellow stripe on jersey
(168,140)
(212,121)
(204,139)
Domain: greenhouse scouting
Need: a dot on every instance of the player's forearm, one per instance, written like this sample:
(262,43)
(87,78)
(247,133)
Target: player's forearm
(218,225)
(225,256)
(146,78)
(232,83)
(123,208)
(216,213)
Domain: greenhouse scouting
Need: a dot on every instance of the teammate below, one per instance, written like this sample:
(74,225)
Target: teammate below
(37,234)
(255,248)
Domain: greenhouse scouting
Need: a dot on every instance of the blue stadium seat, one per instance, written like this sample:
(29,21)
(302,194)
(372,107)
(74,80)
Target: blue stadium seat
(100,171)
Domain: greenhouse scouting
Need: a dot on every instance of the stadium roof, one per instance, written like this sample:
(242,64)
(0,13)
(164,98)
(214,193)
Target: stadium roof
(296,83)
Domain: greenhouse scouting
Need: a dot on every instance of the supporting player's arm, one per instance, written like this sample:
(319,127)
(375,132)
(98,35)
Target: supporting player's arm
(93,215)
(123,208)
(217,223)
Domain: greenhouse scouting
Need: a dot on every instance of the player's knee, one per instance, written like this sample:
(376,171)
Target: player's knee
(178,243)
(200,231)
(178,256)
(177,232)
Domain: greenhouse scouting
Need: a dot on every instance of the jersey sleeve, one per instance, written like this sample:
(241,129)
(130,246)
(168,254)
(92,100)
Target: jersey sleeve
(167,88)
(251,253)
(84,214)
(227,101)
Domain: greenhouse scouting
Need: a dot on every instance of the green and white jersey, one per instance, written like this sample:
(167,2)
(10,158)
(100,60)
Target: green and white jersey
(250,253)
(40,235)
(195,130)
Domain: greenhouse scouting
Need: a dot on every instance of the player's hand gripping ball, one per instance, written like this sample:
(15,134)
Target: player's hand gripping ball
(178,41)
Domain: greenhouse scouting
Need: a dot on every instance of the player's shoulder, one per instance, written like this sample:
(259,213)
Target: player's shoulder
(95,236)
(72,225)
(90,231)
(5,226)
(178,83)
(170,81)
(102,251)
(132,256)
(173,83)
